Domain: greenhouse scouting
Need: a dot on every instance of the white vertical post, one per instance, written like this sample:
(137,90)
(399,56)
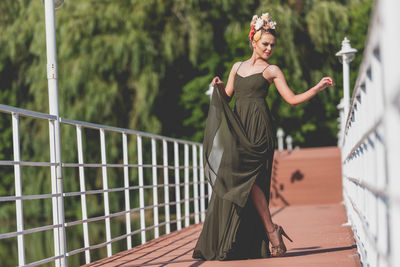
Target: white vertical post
(346,85)
(83,190)
(141,190)
(18,189)
(202,195)
(209,191)
(166,187)
(342,122)
(105,187)
(280,133)
(126,185)
(53,173)
(187,196)
(195,185)
(347,55)
(289,145)
(177,188)
(54,110)
(210,90)
(155,183)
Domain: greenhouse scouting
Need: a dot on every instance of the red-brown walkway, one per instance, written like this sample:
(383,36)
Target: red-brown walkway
(306,190)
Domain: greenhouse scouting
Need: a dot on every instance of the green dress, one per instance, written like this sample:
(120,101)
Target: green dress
(238,151)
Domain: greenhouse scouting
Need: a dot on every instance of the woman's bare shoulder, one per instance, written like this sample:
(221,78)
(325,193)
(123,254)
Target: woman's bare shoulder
(273,68)
(273,71)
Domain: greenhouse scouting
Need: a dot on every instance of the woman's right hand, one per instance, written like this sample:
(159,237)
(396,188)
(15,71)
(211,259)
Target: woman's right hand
(217,81)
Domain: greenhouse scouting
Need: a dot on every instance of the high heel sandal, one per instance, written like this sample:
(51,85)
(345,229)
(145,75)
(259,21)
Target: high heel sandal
(280,249)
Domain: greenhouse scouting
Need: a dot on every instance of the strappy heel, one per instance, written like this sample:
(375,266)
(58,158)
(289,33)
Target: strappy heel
(280,249)
(284,234)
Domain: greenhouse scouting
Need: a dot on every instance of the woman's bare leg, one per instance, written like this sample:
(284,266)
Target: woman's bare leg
(261,204)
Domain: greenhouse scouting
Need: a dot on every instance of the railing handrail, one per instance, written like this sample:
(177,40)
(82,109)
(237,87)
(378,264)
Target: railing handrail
(39,115)
(26,113)
(124,130)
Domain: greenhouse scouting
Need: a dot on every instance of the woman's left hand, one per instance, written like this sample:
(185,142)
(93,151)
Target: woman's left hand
(325,82)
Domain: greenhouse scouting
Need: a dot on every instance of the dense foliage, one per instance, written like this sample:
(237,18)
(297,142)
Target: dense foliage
(146,64)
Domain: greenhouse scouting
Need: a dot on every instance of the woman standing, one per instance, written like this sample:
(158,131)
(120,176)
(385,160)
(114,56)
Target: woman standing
(238,154)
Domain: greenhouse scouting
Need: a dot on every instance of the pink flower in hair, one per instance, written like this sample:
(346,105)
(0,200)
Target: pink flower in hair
(252,32)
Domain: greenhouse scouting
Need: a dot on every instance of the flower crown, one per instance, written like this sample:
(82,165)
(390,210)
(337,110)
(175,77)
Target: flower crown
(257,23)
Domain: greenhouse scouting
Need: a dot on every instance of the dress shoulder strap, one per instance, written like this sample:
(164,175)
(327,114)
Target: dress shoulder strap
(266,67)
(239,66)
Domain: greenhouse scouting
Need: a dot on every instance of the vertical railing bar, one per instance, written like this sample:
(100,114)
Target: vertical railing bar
(202,194)
(53,173)
(105,187)
(195,184)
(209,191)
(186,163)
(141,191)
(126,184)
(155,182)
(18,189)
(83,189)
(58,209)
(166,187)
(177,187)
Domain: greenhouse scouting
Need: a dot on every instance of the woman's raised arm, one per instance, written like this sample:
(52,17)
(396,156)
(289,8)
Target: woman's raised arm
(280,82)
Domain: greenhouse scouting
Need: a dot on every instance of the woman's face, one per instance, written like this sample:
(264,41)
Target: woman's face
(265,46)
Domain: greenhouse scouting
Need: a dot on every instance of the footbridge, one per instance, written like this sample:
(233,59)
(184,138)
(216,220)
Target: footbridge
(341,205)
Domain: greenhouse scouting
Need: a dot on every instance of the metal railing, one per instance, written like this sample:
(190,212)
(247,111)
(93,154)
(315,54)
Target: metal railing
(191,200)
(369,141)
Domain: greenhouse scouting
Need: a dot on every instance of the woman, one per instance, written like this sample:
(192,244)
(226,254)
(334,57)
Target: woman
(238,153)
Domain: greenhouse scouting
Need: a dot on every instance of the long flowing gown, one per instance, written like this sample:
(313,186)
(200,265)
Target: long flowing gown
(238,152)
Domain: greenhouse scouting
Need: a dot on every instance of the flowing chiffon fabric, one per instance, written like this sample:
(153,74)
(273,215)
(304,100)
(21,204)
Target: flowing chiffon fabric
(238,152)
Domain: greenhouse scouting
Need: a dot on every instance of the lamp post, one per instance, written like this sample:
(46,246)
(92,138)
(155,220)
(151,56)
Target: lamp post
(54,135)
(280,133)
(346,55)
(210,90)
(289,145)
(341,121)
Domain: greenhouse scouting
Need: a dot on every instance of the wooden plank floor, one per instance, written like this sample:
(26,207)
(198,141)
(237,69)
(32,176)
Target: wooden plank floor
(320,239)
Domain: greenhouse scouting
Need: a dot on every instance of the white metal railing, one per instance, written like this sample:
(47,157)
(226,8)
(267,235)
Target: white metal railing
(193,187)
(369,141)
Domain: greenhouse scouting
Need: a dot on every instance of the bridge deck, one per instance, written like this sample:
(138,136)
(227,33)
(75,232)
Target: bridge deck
(319,237)
(306,192)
